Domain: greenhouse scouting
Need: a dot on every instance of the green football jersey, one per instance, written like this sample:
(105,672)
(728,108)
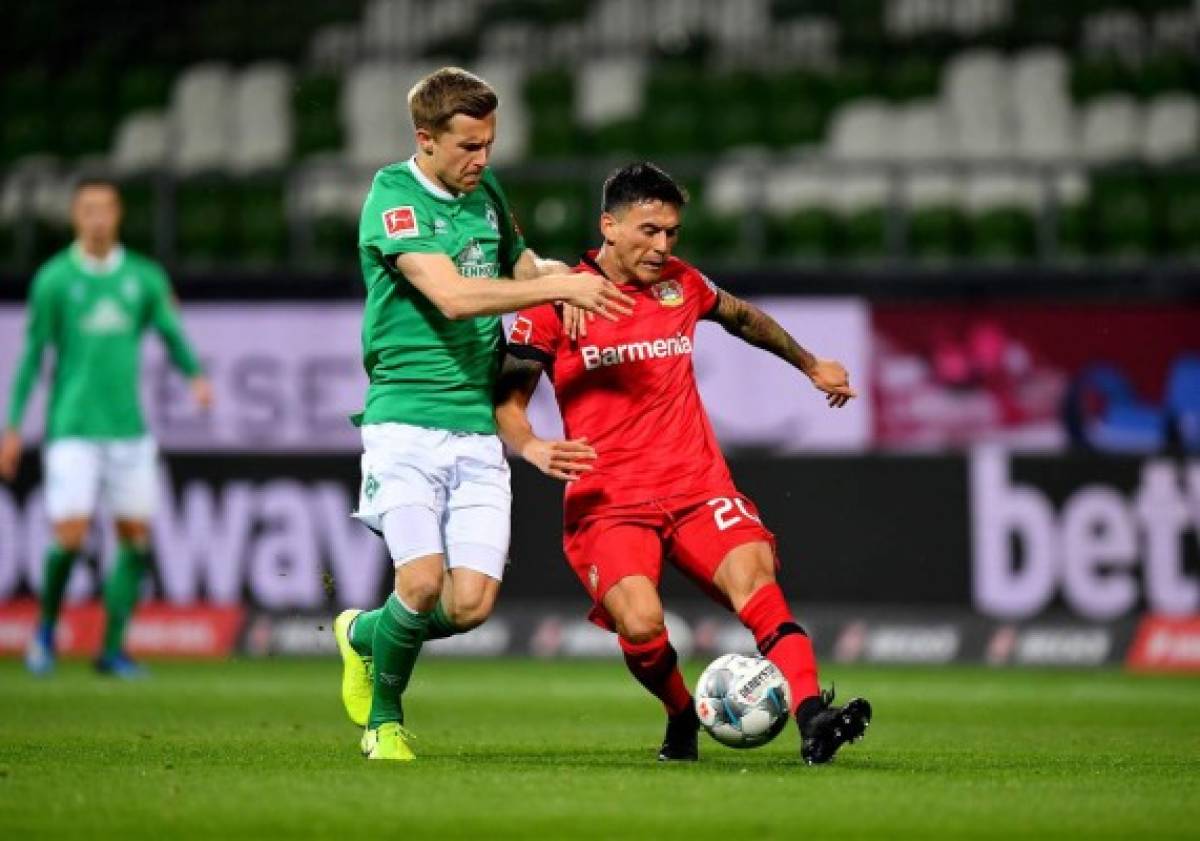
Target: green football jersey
(93,314)
(425,369)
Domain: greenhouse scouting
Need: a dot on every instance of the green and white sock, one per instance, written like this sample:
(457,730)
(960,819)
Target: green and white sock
(399,633)
(362,631)
(56,573)
(440,625)
(121,594)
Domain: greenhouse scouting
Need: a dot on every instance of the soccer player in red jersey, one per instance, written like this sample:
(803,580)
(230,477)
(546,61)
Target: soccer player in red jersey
(646,477)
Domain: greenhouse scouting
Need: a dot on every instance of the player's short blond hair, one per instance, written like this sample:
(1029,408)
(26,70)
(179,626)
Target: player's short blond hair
(435,100)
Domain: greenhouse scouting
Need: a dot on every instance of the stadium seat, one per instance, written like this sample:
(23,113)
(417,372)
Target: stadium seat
(608,90)
(261,122)
(977,90)
(1172,128)
(862,130)
(374,135)
(200,119)
(1044,115)
(1110,129)
(1182,400)
(140,143)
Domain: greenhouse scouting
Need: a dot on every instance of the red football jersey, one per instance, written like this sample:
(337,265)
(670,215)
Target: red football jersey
(629,388)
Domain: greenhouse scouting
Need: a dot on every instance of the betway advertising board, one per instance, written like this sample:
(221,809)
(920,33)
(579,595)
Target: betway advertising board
(287,377)
(1011,538)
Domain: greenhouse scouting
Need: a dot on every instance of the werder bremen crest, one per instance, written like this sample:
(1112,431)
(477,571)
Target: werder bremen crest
(473,262)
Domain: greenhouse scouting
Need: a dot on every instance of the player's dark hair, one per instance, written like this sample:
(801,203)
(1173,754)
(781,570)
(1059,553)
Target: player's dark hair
(87,182)
(641,182)
(435,100)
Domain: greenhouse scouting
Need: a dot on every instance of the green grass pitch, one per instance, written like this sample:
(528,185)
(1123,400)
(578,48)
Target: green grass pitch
(548,750)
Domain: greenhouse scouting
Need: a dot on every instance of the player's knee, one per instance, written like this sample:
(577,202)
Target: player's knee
(470,610)
(641,624)
(71,535)
(419,592)
(134,533)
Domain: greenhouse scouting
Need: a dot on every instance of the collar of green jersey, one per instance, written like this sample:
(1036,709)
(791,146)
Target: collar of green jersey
(430,187)
(97,265)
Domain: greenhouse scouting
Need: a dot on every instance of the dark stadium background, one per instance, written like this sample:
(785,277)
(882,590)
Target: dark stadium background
(993,207)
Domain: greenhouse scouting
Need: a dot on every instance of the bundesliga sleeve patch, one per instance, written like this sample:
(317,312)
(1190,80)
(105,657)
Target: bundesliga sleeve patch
(400,222)
(521,332)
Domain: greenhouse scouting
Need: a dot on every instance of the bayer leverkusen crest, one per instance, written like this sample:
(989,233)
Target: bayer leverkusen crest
(668,292)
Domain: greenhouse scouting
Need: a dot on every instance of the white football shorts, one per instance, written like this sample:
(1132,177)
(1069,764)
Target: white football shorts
(444,492)
(81,473)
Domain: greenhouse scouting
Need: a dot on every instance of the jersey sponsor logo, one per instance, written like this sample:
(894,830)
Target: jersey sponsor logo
(106,316)
(668,292)
(605,357)
(400,222)
(521,332)
(473,262)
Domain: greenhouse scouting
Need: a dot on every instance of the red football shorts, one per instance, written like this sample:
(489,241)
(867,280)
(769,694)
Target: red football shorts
(694,534)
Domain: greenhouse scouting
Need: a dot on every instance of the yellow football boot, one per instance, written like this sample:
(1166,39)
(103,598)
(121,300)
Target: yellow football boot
(356,676)
(388,741)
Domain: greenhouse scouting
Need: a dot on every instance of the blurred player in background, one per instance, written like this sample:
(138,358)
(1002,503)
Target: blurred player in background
(435,240)
(91,303)
(647,478)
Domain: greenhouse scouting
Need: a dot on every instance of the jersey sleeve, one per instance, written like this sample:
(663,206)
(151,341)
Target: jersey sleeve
(535,333)
(164,315)
(38,332)
(709,293)
(395,220)
(512,240)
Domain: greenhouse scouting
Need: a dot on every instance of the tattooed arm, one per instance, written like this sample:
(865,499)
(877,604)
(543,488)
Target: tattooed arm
(566,460)
(753,326)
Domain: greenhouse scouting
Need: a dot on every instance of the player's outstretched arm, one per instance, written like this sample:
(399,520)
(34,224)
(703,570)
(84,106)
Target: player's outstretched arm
(755,327)
(457,297)
(565,460)
(37,336)
(530,265)
(575,320)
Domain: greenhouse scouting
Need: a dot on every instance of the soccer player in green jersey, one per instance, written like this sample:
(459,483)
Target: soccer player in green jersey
(441,259)
(91,303)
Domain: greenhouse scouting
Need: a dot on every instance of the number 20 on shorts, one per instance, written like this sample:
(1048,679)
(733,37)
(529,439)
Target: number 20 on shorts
(723,506)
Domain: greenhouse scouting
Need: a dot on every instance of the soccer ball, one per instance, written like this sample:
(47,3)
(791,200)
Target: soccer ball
(743,702)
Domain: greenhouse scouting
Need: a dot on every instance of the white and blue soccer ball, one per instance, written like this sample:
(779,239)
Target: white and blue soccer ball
(743,702)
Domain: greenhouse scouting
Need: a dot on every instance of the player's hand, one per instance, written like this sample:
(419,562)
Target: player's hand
(10,455)
(566,460)
(830,376)
(575,321)
(596,294)
(202,392)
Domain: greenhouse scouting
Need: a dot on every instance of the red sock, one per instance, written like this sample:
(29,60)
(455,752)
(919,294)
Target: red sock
(656,666)
(782,641)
